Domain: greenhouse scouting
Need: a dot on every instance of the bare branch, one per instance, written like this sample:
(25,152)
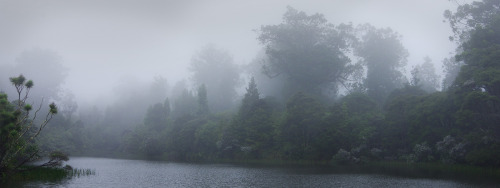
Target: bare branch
(30,124)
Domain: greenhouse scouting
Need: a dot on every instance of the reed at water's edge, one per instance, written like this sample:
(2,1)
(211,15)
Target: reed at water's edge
(49,174)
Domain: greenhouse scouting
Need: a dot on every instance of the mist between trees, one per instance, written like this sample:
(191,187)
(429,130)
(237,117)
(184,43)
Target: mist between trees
(319,91)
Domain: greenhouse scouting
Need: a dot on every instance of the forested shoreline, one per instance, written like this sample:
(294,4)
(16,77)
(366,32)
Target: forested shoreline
(317,92)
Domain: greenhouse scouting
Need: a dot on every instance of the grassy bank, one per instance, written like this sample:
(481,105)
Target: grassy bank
(43,174)
(40,174)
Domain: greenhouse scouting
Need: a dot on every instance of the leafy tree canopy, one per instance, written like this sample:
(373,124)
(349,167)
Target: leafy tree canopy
(308,51)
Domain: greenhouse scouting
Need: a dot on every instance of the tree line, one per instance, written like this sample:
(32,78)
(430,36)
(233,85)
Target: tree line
(382,116)
(318,92)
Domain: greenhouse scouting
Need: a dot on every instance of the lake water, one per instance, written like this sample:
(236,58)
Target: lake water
(141,173)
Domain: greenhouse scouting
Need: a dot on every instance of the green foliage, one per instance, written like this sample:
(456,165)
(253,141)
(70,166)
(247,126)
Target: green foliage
(182,138)
(381,119)
(257,129)
(352,123)
(46,174)
(29,84)
(156,116)
(301,126)
(469,17)
(57,155)
(17,130)
(17,81)
(53,108)
(250,134)
(485,155)
(27,107)
(206,137)
(477,86)
(481,50)
(413,118)
(251,96)
(41,174)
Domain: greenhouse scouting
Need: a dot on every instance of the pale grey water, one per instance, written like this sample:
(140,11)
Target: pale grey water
(141,173)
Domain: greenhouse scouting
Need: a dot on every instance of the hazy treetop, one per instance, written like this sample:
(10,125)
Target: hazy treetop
(113,38)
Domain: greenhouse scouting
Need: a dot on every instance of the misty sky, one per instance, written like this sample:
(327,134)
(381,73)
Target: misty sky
(101,41)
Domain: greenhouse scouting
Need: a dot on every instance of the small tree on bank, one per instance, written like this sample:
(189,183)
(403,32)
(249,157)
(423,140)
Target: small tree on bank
(18,127)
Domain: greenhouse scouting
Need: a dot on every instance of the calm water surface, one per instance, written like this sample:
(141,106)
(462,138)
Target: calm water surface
(140,173)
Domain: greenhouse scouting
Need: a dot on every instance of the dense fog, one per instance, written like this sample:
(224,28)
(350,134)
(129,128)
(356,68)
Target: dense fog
(331,81)
(102,43)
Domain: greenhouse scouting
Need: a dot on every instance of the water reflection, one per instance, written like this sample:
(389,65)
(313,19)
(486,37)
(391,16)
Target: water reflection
(139,173)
